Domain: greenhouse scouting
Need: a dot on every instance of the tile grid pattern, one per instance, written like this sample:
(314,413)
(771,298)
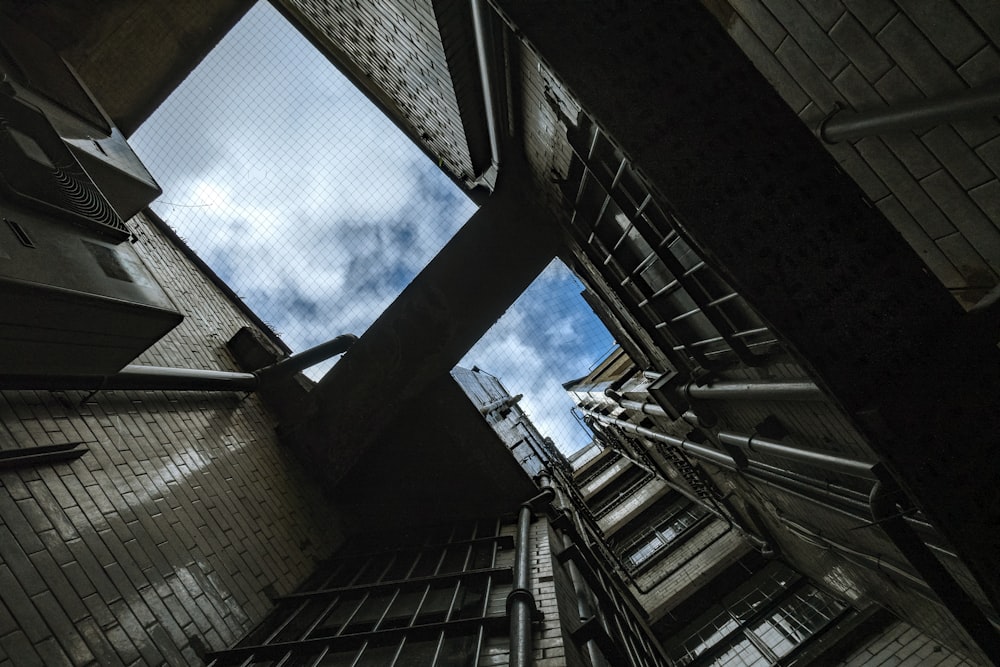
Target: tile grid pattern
(938,186)
(173,530)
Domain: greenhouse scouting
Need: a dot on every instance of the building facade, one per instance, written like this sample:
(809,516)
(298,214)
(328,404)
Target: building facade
(798,434)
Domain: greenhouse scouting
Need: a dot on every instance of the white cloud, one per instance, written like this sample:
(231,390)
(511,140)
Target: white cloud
(318,211)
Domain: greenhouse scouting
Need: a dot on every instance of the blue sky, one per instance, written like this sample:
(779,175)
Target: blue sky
(318,211)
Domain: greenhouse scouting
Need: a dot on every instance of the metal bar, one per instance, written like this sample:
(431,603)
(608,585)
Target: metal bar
(670,262)
(275,651)
(975,103)
(832,462)
(756,390)
(498,572)
(618,288)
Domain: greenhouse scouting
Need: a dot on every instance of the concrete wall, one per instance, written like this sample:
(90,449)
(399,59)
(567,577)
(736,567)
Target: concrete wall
(176,525)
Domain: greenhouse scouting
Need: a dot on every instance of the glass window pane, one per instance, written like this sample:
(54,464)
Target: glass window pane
(741,654)
(458,651)
(797,619)
(402,609)
(436,605)
(378,655)
(416,654)
(469,603)
(341,611)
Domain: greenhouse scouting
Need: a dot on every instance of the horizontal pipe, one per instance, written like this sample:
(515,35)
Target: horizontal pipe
(857,498)
(755,390)
(832,462)
(693,448)
(162,378)
(808,489)
(645,408)
(975,103)
(138,377)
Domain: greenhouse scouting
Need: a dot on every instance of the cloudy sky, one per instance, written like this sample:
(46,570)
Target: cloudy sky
(318,212)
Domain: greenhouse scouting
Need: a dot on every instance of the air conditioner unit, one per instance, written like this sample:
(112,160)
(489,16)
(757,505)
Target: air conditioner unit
(34,73)
(76,297)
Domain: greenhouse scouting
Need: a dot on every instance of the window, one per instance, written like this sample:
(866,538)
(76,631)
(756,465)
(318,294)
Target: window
(760,622)
(388,603)
(666,533)
(624,487)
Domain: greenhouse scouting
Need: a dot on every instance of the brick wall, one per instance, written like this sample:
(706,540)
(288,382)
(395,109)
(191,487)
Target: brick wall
(902,645)
(549,647)
(173,528)
(938,186)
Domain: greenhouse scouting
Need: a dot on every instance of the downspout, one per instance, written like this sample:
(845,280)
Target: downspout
(481,35)
(956,599)
(183,379)
(521,601)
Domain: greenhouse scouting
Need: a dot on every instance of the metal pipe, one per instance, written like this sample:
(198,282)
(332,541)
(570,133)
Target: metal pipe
(651,409)
(956,599)
(973,103)
(521,601)
(693,448)
(832,462)
(856,498)
(135,377)
(501,403)
(755,390)
(138,377)
(486,78)
(853,508)
(303,360)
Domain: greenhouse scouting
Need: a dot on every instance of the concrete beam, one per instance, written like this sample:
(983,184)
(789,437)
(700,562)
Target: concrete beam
(424,333)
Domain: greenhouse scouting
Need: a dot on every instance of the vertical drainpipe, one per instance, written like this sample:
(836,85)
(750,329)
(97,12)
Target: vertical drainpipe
(521,601)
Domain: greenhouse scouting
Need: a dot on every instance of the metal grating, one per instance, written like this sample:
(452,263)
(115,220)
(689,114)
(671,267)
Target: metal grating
(637,247)
(387,604)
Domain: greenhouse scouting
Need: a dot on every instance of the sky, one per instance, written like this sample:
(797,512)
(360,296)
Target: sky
(318,211)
